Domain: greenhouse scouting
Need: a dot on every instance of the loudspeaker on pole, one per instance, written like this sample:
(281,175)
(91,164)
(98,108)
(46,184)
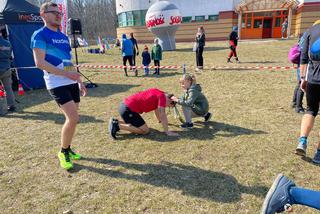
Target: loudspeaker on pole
(74,27)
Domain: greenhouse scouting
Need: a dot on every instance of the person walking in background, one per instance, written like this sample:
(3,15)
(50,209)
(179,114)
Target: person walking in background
(156,55)
(294,57)
(146,60)
(200,43)
(284,29)
(52,54)
(135,49)
(6,73)
(127,53)
(310,84)
(233,42)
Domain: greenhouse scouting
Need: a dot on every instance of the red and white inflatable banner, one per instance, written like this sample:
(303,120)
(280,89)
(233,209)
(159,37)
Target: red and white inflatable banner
(163,18)
(63,7)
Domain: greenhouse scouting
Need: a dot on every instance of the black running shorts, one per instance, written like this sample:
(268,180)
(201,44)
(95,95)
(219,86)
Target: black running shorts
(66,93)
(130,117)
(313,98)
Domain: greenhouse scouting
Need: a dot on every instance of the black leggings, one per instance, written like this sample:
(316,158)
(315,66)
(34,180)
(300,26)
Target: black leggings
(199,57)
(313,98)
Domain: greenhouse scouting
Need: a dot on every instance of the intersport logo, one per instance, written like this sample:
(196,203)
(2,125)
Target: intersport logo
(29,18)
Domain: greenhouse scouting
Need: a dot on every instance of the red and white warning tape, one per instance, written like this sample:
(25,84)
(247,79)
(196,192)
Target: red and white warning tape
(180,67)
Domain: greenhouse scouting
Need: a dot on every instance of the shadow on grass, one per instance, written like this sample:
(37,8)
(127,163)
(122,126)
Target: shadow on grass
(37,97)
(260,62)
(163,73)
(55,117)
(205,49)
(192,181)
(201,131)
(309,160)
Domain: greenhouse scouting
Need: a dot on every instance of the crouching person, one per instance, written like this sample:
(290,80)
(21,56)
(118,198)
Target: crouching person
(193,101)
(143,102)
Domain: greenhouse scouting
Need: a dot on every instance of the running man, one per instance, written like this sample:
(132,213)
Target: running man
(52,54)
(146,101)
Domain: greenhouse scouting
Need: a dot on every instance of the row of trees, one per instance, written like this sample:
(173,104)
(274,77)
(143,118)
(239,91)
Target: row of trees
(98,17)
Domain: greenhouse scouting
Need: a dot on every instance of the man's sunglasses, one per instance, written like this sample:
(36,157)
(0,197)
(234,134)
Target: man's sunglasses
(57,13)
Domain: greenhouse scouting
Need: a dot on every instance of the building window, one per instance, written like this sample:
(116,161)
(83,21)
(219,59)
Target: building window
(213,17)
(278,22)
(122,20)
(187,19)
(137,18)
(200,18)
(130,20)
(257,23)
(143,17)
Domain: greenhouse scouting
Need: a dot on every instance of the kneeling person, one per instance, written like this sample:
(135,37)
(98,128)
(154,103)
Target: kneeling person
(130,109)
(193,101)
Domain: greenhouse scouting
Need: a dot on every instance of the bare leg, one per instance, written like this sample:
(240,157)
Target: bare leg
(306,125)
(136,130)
(70,111)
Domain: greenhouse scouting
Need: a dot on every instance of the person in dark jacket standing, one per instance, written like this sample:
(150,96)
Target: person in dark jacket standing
(200,43)
(135,48)
(310,84)
(146,60)
(233,41)
(156,56)
(5,72)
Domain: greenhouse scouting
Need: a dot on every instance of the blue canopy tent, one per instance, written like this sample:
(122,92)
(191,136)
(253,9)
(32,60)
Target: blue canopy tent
(22,19)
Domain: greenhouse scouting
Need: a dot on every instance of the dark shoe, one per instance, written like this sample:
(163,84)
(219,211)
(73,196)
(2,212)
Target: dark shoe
(113,128)
(316,158)
(278,198)
(228,61)
(293,105)
(207,117)
(186,125)
(300,110)
(11,108)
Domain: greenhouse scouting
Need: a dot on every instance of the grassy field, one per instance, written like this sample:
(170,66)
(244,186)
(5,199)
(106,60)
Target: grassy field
(223,167)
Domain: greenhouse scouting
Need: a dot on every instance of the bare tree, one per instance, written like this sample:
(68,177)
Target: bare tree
(98,17)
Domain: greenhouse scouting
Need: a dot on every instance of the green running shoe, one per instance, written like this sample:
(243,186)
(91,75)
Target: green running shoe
(65,161)
(73,155)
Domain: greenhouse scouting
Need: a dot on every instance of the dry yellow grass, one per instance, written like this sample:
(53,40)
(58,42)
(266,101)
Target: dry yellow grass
(224,167)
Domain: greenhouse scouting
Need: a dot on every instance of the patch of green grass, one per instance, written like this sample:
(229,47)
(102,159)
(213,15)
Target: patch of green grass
(223,167)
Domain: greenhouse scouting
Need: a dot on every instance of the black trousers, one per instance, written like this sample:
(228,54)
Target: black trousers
(199,57)
(297,96)
(134,57)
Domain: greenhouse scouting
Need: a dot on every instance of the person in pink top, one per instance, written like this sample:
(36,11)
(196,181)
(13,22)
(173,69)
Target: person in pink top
(143,102)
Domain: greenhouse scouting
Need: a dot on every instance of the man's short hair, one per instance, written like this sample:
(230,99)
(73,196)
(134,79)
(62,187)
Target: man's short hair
(45,6)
